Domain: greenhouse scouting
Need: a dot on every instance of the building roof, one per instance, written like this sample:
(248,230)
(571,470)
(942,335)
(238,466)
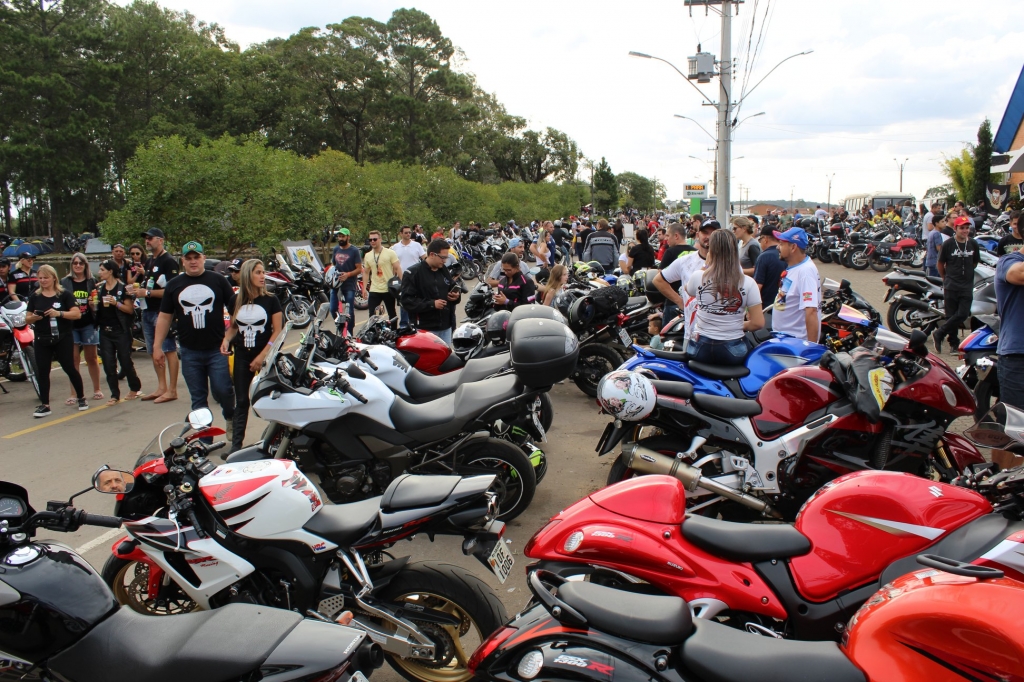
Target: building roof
(1012,118)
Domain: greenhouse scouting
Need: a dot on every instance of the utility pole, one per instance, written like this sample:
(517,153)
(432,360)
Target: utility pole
(901,167)
(724,118)
(828,200)
(792,187)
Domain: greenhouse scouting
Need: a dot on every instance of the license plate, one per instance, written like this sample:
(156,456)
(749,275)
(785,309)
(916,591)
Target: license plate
(501,561)
(358,677)
(624,337)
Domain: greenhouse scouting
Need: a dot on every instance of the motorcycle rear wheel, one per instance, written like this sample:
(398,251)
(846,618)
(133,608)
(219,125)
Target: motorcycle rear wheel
(128,581)
(299,312)
(824,255)
(859,259)
(879,266)
(595,360)
(901,318)
(361,302)
(453,590)
(515,481)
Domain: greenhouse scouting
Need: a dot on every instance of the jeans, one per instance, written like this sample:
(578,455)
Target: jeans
(149,318)
(205,371)
(932,270)
(63,352)
(349,296)
(718,352)
(1010,370)
(443,334)
(241,378)
(115,349)
(374,299)
(958,309)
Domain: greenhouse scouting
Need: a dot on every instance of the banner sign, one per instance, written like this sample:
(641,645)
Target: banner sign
(996,197)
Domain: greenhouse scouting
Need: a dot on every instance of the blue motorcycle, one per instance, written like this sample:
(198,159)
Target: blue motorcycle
(978,352)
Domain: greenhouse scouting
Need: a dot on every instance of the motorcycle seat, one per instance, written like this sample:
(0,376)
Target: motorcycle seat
(447,415)
(647,618)
(715,372)
(343,524)
(745,541)
(413,492)
(205,646)
(422,386)
(726,408)
(719,653)
(674,389)
(676,356)
(634,303)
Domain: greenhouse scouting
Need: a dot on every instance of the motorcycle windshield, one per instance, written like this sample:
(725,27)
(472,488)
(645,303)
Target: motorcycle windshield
(853,316)
(1002,427)
(156,448)
(275,350)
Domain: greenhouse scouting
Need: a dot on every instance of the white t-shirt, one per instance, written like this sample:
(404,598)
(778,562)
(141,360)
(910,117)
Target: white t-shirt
(680,270)
(799,289)
(820,213)
(718,318)
(410,255)
(926,223)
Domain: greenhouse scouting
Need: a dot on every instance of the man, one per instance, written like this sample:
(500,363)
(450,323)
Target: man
(1009,282)
(195,301)
(430,293)
(235,272)
(678,272)
(348,265)
(111,481)
(117,254)
(769,266)
(514,288)
(380,264)
(5,276)
(603,247)
(417,234)
(160,269)
(1013,241)
(797,217)
(583,232)
(957,260)
(820,213)
(933,245)
(515,245)
(561,237)
(24,276)
(675,247)
(796,305)
(456,232)
(409,253)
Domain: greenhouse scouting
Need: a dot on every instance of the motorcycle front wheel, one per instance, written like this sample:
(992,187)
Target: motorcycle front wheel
(859,259)
(129,581)
(878,265)
(824,255)
(457,592)
(594,361)
(16,372)
(470,270)
(299,312)
(515,481)
(361,302)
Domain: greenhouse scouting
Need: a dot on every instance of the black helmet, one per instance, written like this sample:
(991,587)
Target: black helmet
(497,325)
(395,288)
(581,313)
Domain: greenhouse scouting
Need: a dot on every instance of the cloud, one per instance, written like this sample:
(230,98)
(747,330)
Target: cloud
(886,79)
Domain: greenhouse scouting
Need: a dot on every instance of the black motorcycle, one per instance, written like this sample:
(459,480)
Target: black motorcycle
(59,620)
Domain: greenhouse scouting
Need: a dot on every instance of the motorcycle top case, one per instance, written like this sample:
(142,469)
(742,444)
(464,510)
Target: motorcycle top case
(651,291)
(533,312)
(860,523)
(543,352)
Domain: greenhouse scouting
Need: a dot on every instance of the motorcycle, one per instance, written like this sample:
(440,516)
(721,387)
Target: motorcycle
(900,251)
(581,631)
(17,355)
(62,622)
(920,303)
(258,533)
(979,353)
(357,435)
(809,424)
(280,282)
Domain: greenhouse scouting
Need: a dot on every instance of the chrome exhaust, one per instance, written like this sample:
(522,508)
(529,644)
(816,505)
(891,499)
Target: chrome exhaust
(647,461)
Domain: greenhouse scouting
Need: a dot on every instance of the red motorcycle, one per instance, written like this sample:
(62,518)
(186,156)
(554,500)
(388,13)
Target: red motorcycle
(801,581)
(906,252)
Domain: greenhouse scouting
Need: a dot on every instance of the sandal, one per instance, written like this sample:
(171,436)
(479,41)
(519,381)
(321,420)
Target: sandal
(133,395)
(71,401)
(112,402)
(97,395)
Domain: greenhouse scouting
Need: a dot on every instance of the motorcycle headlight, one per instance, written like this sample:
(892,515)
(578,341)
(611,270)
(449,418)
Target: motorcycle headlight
(17,320)
(284,367)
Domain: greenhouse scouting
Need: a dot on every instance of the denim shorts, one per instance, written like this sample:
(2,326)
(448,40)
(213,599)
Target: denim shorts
(86,336)
(149,318)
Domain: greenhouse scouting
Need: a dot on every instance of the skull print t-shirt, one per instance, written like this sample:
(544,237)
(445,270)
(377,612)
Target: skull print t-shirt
(197,304)
(254,323)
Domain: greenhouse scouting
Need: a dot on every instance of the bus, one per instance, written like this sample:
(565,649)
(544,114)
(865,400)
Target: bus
(855,202)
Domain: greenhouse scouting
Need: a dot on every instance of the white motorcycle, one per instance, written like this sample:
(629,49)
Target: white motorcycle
(17,356)
(259,533)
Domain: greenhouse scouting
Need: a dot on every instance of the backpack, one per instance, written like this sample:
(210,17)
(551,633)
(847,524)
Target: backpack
(609,300)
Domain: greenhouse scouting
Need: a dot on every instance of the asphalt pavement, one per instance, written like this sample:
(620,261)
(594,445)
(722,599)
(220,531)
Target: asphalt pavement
(55,457)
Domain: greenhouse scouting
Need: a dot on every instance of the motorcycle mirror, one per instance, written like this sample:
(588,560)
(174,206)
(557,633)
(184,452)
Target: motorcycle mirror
(113,481)
(201,418)
(323,311)
(845,285)
(917,342)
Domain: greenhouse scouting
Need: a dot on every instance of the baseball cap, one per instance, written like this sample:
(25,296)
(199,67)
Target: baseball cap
(795,236)
(236,264)
(961,220)
(5,261)
(154,232)
(27,254)
(514,242)
(191,247)
(710,225)
(343,230)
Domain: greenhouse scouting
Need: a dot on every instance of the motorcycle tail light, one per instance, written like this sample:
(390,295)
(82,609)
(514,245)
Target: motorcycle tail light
(530,664)
(573,542)
(488,646)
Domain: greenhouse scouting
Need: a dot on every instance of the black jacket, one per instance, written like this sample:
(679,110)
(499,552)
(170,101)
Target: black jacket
(519,291)
(421,286)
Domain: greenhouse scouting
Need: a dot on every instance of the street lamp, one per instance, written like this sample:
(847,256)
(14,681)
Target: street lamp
(648,56)
(737,125)
(694,121)
(901,167)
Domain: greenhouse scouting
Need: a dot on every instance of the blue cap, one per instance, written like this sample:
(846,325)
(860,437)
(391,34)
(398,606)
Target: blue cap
(514,242)
(795,236)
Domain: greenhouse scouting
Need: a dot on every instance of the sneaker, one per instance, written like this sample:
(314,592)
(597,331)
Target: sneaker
(82,405)
(937,341)
(42,411)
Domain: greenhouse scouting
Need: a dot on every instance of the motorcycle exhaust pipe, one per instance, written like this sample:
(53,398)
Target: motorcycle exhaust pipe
(647,461)
(918,304)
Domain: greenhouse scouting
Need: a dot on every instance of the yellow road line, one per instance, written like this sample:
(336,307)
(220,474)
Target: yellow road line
(54,422)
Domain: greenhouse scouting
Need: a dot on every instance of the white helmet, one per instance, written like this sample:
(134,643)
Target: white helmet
(468,340)
(626,395)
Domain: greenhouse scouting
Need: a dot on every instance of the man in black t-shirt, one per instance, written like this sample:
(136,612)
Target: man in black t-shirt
(957,259)
(1013,241)
(160,269)
(195,301)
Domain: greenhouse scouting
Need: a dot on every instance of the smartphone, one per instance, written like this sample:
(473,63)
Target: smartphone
(455,289)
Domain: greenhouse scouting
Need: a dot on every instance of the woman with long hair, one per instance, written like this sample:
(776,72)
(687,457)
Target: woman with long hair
(52,311)
(255,324)
(557,280)
(724,294)
(749,249)
(114,315)
(641,255)
(84,333)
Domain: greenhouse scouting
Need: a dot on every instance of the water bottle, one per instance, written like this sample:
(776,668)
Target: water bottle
(53,327)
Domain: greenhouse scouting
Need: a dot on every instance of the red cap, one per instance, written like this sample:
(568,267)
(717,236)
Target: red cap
(961,220)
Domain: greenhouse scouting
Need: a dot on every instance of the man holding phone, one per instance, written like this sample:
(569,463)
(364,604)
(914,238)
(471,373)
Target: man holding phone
(430,294)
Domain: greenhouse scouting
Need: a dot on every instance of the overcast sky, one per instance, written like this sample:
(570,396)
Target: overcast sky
(887,79)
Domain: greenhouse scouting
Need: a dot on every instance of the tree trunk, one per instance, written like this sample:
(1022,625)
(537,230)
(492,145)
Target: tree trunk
(5,196)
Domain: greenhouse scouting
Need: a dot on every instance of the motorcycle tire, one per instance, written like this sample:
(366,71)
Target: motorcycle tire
(595,360)
(859,259)
(132,593)
(515,482)
(896,318)
(470,270)
(879,266)
(30,357)
(361,302)
(299,312)
(546,413)
(454,590)
(824,255)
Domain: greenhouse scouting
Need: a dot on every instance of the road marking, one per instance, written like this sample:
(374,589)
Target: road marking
(48,424)
(96,542)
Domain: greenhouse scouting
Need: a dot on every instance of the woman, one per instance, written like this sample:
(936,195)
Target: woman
(114,313)
(81,284)
(641,255)
(555,286)
(255,324)
(137,268)
(723,295)
(743,230)
(53,311)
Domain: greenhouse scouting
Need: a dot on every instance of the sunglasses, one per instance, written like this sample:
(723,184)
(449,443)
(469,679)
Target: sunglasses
(374,239)
(78,262)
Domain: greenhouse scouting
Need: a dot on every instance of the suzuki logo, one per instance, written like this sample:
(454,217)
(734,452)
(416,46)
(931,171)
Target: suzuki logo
(935,490)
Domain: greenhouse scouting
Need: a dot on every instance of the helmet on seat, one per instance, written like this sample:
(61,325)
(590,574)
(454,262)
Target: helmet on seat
(467,340)
(497,327)
(626,395)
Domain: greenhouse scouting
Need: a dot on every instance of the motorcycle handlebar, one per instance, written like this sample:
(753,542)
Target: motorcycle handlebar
(100,520)
(364,355)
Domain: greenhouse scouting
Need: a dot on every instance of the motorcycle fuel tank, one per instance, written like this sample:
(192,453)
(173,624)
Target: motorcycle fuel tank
(429,350)
(790,397)
(774,355)
(860,523)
